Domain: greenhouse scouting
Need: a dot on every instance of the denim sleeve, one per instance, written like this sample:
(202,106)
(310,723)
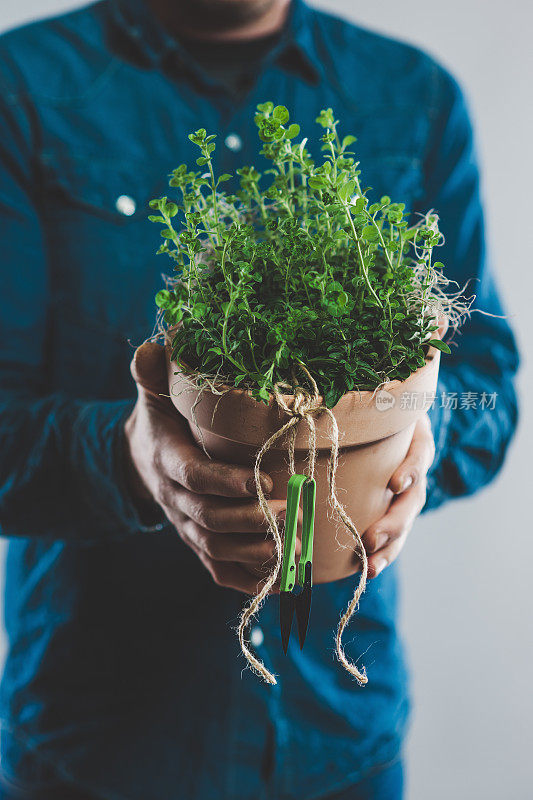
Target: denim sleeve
(475,412)
(60,458)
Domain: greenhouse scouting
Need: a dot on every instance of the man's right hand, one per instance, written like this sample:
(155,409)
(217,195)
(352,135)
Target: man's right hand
(213,505)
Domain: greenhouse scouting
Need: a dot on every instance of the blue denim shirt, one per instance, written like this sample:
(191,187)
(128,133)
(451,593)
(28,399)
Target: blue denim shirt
(123,670)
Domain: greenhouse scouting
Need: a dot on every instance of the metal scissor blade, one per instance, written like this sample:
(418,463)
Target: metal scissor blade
(286,613)
(303,609)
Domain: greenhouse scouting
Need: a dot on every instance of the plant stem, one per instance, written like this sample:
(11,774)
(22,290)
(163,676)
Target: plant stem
(359,252)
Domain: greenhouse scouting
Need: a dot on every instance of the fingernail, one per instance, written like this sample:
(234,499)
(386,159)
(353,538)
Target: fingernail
(406,483)
(266,485)
(379,566)
(380,541)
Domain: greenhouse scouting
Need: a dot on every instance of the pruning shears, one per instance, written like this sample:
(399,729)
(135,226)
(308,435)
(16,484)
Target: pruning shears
(291,601)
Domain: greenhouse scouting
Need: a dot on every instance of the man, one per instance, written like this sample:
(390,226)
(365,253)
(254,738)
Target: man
(123,677)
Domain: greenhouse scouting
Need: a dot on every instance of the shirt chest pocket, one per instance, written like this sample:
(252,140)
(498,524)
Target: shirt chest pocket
(104,271)
(101,246)
(110,189)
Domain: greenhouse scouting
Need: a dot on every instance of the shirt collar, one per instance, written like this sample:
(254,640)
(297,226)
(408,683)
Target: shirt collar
(296,48)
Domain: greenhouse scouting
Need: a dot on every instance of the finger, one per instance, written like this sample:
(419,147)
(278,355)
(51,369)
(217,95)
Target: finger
(399,518)
(254,549)
(381,560)
(179,457)
(231,576)
(266,567)
(223,515)
(263,573)
(395,527)
(191,468)
(417,461)
(149,368)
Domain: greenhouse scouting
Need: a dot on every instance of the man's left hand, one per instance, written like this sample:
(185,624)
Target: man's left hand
(385,538)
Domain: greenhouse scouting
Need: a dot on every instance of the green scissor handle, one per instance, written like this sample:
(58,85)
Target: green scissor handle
(306,556)
(288,569)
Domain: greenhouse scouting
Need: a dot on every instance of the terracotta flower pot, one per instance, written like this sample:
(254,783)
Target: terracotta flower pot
(375,431)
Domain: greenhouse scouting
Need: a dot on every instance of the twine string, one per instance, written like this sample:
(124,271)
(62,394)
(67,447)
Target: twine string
(305,406)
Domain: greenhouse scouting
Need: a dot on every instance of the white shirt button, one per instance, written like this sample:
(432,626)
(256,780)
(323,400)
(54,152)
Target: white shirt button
(256,636)
(234,142)
(125,205)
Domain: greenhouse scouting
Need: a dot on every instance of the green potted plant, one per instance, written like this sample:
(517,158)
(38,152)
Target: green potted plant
(298,316)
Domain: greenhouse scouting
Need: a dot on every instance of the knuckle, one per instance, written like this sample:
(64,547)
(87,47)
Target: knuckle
(414,473)
(212,547)
(156,460)
(162,492)
(218,575)
(207,517)
(401,532)
(192,477)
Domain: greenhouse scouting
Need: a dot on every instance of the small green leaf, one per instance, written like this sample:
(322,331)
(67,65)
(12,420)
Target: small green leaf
(347,190)
(348,140)
(163,298)
(369,233)
(281,113)
(293,131)
(317,183)
(439,345)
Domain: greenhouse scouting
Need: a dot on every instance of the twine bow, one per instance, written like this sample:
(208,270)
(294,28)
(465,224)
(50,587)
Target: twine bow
(305,406)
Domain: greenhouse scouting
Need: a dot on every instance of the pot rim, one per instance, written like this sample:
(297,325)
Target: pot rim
(389,386)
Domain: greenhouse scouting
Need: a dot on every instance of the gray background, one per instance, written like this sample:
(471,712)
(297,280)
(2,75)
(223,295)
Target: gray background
(467,568)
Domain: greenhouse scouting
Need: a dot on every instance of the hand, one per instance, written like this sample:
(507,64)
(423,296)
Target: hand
(211,504)
(386,537)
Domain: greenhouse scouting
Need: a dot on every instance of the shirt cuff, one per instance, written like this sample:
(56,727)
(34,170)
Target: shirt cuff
(97,458)
(139,515)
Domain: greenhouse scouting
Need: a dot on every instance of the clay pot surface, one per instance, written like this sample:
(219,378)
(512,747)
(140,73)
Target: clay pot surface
(375,431)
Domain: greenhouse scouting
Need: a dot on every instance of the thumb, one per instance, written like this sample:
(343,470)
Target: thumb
(149,368)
